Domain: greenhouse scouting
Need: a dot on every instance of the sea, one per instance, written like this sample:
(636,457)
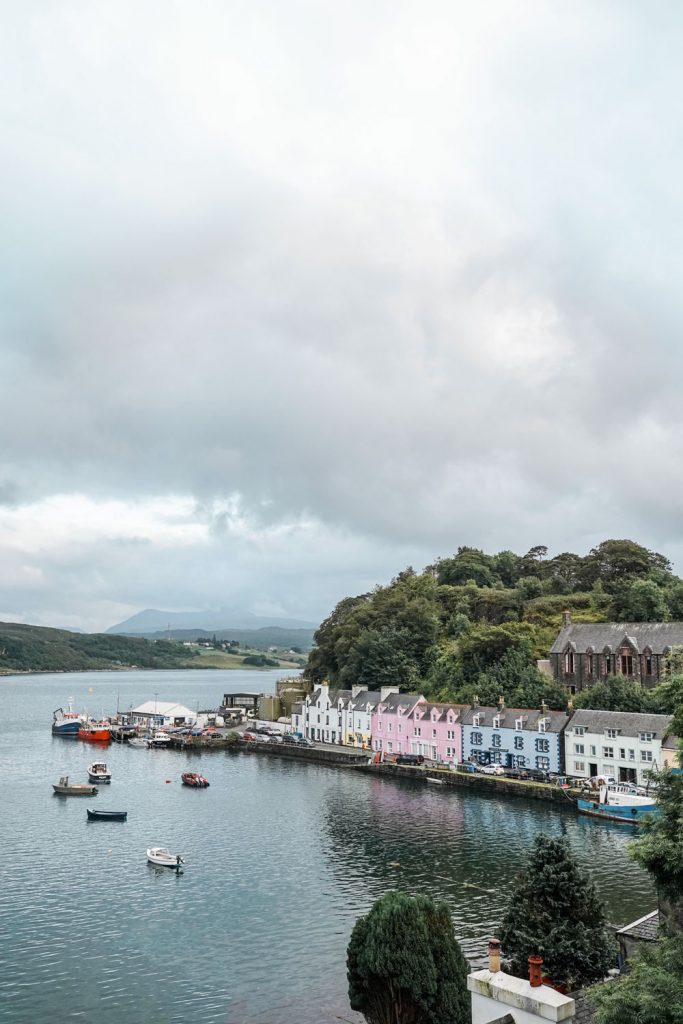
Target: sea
(281,858)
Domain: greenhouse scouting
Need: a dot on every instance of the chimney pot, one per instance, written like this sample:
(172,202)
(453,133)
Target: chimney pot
(535,964)
(494,955)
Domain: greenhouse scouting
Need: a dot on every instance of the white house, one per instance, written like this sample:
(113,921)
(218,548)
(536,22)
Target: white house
(158,712)
(320,715)
(356,714)
(622,744)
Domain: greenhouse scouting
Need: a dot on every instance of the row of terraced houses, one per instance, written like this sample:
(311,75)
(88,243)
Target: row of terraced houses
(581,744)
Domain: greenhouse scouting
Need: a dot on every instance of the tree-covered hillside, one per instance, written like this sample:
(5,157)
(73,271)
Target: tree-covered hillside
(40,649)
(475,623)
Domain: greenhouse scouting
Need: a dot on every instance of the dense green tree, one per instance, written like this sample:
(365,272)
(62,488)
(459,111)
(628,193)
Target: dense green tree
(652,993)
(659,846)
(507,567)
(615,694)
(518,682)
(615,561)
(404,964)
(484,646)
(554,912)
(468,564)
(674,599)
(640,601)
(380,657)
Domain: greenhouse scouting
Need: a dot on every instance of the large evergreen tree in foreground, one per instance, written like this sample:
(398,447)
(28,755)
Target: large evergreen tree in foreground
(555,912)
(404,964)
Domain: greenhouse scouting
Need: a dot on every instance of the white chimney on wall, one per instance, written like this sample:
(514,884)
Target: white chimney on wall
(495,994)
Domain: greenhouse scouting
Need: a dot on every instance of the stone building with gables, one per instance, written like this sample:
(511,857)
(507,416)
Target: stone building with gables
(586,653)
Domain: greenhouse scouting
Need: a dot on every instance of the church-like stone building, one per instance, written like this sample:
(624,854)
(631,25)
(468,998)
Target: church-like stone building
(586,653)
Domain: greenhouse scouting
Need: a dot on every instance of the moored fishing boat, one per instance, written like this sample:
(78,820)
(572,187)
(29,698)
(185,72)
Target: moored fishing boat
(163,858)
(158,739)
(66,723)
(107,815)
(98,772)
(66,788)
(613,805)
(194,780)
(95,732)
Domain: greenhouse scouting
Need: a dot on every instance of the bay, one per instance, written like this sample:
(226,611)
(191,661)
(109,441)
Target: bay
(281,858)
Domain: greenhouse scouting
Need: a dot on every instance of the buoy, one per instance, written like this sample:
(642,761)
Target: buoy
(168,780)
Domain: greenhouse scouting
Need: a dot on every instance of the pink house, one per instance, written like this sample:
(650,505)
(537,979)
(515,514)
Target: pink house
(436,732)
(404,724)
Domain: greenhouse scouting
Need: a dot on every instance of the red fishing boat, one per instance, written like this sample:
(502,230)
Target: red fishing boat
(95,732)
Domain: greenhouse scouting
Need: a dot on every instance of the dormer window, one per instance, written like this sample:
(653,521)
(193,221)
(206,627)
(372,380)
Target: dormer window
(579,730)
(496,722)
(647,737)
(542,722)
(612,734)
(476,720)
(519,724)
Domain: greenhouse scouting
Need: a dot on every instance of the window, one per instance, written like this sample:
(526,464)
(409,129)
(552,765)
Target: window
(519,743)
(626,662)
(579,766)
(631,755)
(579,748)
(520,761)
(400,727)
(611,734)
(569,662)
(622,753)
(495,741)
(646,755)
(542,722)
(648,664)
(418,730)
(608,753)
(496,757)
(390,747)
(433,734)
(327,719)
(379,725)
(450,734)
(519,724)
(579,730)
(476,739)
(476,720)
(593,751)
(647,737)
(496,722)
(388,726)
(543,746)
(589,664)
(543,762)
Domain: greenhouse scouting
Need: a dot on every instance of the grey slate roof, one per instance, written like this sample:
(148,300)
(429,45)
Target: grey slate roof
(645,928)
(627,723)
(394,701)
(366,700)
(555,720)
(598,635)
(335,695)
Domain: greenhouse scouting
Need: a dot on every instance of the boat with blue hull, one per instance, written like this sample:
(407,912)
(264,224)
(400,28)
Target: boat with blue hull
(66,723)
(615,805)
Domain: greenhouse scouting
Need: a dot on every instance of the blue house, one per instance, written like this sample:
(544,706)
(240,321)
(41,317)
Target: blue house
(514,737)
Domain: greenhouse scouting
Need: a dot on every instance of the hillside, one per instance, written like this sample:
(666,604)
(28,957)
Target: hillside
(153,621)
(25,648)
(474,623)
(256,639)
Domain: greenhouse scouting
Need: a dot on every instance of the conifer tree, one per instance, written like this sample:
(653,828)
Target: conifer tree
(404,964)
(555,912)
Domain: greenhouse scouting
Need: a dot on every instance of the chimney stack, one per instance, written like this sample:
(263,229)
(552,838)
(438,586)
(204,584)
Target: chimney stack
(501,702)
(566,618)
(535,964)
(475,700)
(494,955)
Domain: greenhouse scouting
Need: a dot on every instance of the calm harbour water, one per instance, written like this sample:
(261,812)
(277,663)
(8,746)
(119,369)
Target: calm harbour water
(281,858)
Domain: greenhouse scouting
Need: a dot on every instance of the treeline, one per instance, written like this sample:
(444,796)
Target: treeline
(474,624)
(25,648)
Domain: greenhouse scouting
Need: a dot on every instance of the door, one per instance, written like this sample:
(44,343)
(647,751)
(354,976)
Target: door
(592,769)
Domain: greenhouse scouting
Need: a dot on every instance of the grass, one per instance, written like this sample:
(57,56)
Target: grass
(209,658)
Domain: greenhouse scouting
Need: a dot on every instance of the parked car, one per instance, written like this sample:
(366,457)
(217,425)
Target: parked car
(304,741)
(466,766)
(409,759)
(250,736)
(289,737)
(491,769)
(275,737)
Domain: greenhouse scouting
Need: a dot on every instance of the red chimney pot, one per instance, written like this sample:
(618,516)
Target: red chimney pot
(535,964)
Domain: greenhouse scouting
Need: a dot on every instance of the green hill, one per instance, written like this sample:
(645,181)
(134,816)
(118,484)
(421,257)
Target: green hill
(41,649)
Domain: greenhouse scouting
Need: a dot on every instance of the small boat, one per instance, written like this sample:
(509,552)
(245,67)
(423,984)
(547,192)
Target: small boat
(66,723)
(435,782)
(98,772)
(613,805)
(195,780)
(138,742)
(163,858)
(64,788)
(159,738)
(107,815)
(95,732)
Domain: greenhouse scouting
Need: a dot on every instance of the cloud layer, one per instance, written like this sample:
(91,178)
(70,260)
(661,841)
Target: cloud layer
(295,293)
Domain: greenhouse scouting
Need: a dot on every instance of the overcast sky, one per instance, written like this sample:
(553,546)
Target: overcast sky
(296,293)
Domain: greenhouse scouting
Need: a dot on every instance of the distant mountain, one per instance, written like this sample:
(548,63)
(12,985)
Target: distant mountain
(151,621)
